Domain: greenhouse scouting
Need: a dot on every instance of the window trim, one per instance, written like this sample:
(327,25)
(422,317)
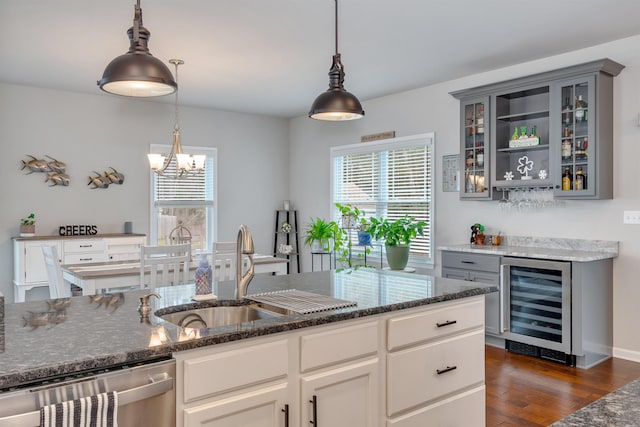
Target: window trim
(392,144)
(153,222)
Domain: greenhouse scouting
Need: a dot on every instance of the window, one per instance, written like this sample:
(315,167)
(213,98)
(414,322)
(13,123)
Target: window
(189,202)
(390,178)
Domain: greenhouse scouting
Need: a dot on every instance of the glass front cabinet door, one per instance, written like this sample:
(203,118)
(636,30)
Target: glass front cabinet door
(474,150)
(576,154)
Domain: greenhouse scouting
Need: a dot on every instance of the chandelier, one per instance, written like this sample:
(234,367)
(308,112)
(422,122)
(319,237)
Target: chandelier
(185,164)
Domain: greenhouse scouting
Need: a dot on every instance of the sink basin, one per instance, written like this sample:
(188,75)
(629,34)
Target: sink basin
(210,317)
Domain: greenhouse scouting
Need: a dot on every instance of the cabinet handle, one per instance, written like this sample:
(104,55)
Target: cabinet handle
(314,406)
(447,369)
(286,415)
(468,262)
(86,259)
(446,323)
(86,246)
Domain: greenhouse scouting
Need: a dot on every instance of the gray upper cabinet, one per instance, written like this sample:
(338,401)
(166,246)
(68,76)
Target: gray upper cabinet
(549,130)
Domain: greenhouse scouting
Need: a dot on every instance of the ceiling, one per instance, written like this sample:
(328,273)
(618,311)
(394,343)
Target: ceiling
(272,56)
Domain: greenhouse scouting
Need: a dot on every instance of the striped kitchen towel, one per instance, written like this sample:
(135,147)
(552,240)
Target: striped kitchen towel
(92,411)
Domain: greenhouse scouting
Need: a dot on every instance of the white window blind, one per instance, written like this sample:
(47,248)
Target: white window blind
(389,179)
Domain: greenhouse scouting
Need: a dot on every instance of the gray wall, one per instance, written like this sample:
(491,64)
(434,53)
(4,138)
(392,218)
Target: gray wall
(93,132)
(432,109)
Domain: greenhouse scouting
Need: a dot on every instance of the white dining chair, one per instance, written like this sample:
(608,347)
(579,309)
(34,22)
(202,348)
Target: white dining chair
(164,265)
(57,286)
(224,261)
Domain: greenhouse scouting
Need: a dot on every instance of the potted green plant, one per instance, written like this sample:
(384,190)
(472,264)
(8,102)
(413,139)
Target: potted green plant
(397,237)
(28,226)
(353,217)
(350,215)
(321,235)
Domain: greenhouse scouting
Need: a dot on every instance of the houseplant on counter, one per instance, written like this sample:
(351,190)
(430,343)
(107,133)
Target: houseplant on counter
(397,237)
(321,235)
(28,226)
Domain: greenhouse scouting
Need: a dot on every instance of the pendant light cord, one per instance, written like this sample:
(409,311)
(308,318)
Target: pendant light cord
(177,62)
(336,26)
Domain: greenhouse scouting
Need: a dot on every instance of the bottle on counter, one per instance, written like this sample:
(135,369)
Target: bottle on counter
(581,180)
(204,277)
(567,179)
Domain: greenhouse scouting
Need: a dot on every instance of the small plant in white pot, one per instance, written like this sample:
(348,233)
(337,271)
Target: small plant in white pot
(397,237)
(320,235)
(28,226)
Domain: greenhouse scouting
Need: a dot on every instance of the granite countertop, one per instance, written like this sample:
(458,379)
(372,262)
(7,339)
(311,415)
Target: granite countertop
(579,250)
(618,408)
(65,337)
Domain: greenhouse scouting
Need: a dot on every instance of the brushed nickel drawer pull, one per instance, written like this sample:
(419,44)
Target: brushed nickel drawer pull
(86,246)
(468,262)
(446,323)
(314,406)
(286,415)
(86,259)
(447,369)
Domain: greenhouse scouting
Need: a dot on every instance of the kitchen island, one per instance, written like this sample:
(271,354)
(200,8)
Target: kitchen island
(61,338)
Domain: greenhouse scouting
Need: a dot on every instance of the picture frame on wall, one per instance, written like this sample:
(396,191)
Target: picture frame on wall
(451,172)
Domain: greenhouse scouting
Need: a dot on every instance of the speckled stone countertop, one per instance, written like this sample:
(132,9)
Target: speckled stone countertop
(545,248)
(620,408)
(61,338)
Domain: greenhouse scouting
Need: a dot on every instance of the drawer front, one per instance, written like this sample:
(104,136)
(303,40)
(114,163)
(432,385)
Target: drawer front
(462,410)
(124,248)
(231,370)
(436,323)
(338,345)
(426,373)
(85,245)
(83,258)
(470,261)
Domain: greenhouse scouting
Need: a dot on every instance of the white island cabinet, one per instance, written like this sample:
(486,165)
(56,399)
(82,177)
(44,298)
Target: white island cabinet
(414,367)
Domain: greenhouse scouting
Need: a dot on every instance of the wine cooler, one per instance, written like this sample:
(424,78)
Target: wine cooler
(535,316)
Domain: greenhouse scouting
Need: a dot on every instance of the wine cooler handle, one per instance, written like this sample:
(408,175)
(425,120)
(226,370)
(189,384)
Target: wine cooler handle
(504,299)
(286,415)
(314,408)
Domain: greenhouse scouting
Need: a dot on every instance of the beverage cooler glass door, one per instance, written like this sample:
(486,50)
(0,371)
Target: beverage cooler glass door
(537,302)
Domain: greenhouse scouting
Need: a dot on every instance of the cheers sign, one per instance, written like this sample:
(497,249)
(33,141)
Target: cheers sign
(77,230)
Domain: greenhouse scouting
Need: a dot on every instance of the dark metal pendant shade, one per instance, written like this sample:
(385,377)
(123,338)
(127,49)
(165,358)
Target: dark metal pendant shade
(137,73)
(336,103)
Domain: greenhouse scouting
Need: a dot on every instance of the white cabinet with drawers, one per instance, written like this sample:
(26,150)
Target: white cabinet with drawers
(408,368)
(29,270)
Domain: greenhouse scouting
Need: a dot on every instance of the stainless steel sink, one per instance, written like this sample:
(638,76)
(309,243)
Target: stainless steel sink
(210,317)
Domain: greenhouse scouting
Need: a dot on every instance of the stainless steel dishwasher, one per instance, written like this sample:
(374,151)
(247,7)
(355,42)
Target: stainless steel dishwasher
(146,396)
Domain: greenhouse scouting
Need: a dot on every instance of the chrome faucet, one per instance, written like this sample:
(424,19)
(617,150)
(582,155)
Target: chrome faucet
(244,246)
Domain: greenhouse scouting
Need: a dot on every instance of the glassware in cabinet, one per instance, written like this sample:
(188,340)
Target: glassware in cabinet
(474,161)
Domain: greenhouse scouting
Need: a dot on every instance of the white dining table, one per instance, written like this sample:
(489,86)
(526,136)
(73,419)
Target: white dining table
(95,277)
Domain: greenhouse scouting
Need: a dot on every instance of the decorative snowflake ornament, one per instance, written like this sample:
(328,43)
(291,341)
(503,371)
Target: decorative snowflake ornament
(542,174)
(524,166)
(508,176)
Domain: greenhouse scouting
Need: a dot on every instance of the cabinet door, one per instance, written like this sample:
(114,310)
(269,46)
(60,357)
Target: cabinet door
(262,408)
(474,149)
(34,266)
(492,305)
(343,397)
(576,150)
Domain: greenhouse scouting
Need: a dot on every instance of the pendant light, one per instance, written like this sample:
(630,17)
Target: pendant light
(336,104)
(137,73)
(185,164)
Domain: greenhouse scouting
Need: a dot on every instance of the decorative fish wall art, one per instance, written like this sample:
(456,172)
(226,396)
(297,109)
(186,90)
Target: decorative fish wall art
(55,169)
(103,181)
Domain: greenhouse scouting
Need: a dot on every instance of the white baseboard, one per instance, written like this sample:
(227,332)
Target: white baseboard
(622,353)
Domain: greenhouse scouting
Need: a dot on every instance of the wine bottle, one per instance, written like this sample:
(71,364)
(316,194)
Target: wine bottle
(580,180)
(567,179)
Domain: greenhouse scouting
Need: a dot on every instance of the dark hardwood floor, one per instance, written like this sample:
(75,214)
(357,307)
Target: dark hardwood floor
(526,391)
